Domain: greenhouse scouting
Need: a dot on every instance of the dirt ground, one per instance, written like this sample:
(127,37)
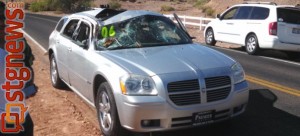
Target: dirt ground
(58,112)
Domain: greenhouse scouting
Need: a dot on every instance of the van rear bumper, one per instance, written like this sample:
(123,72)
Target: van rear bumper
(274,43)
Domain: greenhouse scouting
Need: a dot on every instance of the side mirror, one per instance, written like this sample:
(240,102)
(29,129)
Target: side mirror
(218,16)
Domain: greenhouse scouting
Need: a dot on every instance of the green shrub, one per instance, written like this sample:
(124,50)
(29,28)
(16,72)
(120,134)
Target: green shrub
(114,5)
(209,11)
(166,8)
(60,5)
(200,3)
(38,6)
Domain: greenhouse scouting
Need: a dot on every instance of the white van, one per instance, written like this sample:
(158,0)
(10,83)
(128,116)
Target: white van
(257,25)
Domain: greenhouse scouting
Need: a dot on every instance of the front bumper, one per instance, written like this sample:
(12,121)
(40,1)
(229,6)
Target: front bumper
(167,116)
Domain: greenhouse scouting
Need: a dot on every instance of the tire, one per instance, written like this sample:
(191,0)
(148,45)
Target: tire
(293,55)
(107,112)
(55,79)
(252,45)
(209,37)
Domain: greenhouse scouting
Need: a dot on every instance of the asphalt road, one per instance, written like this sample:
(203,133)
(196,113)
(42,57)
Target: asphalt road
(271,110)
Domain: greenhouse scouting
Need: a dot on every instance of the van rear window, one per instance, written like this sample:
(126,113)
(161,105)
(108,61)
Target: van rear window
(289,15)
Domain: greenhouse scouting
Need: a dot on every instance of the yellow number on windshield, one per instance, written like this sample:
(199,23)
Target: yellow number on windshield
(105,33)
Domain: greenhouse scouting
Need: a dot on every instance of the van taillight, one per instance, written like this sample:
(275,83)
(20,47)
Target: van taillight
(273,28)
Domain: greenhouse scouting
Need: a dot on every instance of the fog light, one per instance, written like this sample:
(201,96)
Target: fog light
(150,123)
(146,122)
(238,108)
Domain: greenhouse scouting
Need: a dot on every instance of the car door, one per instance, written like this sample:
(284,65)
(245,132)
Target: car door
(78,62)
(241,25)
(225,27)
(288,25)
(63,49)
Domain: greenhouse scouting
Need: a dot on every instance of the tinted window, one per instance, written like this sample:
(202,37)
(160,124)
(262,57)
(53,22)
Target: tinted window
(61,24)
(260,13)
(70,28)
(243,13)
(83,34)
(289,15)
(230,14)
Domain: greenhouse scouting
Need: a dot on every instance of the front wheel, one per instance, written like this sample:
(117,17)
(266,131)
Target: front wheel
(209,37)
(107,112)
(55,79)
(252,46)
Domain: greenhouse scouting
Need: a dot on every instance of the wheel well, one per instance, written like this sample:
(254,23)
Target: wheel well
(50,53)
(99,79)
(209,28)
(248,35)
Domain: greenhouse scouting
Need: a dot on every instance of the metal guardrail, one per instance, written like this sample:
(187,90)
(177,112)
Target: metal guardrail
(201,22)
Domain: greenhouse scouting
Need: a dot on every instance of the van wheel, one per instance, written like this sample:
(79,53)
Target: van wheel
(55,79)
(209,37)
(251,44)
(107,112)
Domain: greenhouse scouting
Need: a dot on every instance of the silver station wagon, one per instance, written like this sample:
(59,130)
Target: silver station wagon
(143,73)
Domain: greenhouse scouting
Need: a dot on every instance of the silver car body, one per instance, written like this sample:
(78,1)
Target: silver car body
(83,69)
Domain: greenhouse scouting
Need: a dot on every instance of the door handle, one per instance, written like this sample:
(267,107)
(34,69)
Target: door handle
(57,42)
(230,23)
(69,49)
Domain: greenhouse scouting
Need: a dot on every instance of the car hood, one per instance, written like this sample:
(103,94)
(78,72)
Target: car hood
(168,59)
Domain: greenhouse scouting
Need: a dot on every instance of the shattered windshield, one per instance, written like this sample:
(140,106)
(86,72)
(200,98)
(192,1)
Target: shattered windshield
(142,31)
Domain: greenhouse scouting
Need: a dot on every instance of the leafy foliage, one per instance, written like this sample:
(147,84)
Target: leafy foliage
(60,5)
(167,8)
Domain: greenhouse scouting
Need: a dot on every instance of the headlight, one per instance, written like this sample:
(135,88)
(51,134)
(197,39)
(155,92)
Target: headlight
(137,85)
(238,73)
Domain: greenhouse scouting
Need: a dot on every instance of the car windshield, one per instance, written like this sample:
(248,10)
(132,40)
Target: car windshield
(139,32)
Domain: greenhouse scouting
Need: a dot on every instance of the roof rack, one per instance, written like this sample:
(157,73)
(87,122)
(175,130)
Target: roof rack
(258,2)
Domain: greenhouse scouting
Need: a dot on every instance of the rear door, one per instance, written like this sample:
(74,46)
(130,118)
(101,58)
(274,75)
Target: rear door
(288,25)
(65,42)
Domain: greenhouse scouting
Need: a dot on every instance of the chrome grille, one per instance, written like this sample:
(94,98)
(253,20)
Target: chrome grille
(184,92)
(217,81)
(218,88)
(186,98)
(180,86)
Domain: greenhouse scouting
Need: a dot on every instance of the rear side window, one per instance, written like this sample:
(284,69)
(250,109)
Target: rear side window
(260,13)
(61,23)
(289,15)
(70,28)
(243,13)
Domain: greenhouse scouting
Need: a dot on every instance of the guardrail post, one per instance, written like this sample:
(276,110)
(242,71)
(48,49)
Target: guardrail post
(201,20)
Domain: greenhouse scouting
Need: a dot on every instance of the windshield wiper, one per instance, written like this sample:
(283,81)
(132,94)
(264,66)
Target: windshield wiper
(137,45)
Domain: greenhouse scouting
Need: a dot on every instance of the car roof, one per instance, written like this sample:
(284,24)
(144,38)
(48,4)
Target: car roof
(257,5)
(130,14)
(264,5)
(116,15)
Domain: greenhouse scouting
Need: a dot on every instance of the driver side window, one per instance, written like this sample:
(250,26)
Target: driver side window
(230,14)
